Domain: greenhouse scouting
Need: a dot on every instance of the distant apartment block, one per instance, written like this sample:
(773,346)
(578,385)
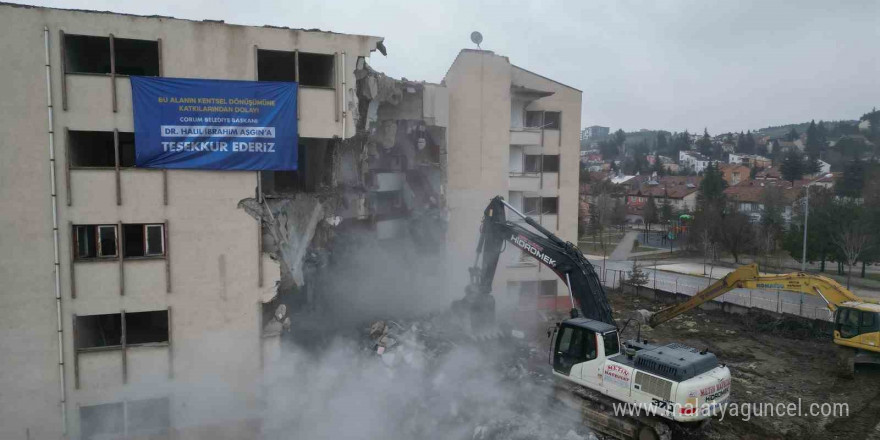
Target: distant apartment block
(595,131)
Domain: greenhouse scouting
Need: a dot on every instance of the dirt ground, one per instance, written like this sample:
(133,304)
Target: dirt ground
(771,361)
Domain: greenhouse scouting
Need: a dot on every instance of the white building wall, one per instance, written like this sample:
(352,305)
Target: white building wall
(212,368)
(482,156)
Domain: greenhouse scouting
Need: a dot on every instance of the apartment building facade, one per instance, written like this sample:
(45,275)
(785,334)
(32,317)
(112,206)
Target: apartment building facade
(513,133)
(133,300)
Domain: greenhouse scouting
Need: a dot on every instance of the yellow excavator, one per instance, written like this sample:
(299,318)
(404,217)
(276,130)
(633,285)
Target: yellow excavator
(856,320)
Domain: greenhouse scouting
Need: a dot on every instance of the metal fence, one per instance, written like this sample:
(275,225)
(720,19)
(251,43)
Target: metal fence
(791,303)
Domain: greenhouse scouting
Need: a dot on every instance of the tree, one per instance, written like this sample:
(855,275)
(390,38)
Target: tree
(584,176)
(704,145)
(815,139)
(812,165)
(851,147)
(618,217)
(650,212)
(792,166)
(792,135)
(662,144)
(666,213)
(740,143)
(608,149)
(736,234)
(713,184)
(853,180)
(637,277)
(853,239)
(619,137)
(658,167)
(822,223)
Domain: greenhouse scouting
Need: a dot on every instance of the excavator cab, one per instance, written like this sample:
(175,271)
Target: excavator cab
(857,328)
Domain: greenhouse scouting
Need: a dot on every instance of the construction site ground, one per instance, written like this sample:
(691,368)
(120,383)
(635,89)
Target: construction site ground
(772,361)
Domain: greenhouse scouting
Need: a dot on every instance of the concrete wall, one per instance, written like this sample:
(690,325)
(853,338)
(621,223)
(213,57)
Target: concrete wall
(214,355)
(482,114)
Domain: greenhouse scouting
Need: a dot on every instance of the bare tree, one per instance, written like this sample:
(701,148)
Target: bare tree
(853,240)
(736,234)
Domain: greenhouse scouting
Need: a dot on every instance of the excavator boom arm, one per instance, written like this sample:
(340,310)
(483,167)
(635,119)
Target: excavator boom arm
(562,257)
(748,277)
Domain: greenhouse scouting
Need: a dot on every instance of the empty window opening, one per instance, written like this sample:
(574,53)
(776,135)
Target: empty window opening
(315,160)
(95,331)
(136,57)
(316,69)
(276,65)
(87,54)
(552,120)
(549,205)
(91,149)
(146,327)
(95,241)
(143,240)
(122,419)
(551,163)
(531,205)
(534,119)
(540,205)
(532,163)
(94,149)
(126,149)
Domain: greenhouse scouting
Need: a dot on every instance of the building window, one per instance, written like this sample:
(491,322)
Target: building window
(276,65)
(540,205)
(136,57)
(552,120)
(91,54)
(316,69)
(143,240)
(126,150)
(146,327)
(99,331)
(531,205)
(532,163)
(87,54)
(149,417)
(96,331)
(95,241)
(551,163)
(94,149)
(534,119)
(549,205)
(532,289)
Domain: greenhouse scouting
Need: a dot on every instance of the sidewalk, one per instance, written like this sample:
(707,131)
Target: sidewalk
(624,248)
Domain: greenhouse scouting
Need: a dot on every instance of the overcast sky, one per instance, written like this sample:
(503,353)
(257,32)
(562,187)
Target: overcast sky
(674,65)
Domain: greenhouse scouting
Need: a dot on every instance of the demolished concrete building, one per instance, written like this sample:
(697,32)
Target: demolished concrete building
(382,187)
(102,251)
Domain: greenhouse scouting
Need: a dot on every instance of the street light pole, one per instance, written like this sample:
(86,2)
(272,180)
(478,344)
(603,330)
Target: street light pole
(806,218)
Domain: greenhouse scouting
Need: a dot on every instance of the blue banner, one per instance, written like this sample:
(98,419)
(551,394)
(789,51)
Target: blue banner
(214,124)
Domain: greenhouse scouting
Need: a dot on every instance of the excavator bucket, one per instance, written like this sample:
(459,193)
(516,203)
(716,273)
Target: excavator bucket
(476,310)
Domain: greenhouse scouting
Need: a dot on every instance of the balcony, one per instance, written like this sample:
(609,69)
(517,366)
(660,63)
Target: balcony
(525,136)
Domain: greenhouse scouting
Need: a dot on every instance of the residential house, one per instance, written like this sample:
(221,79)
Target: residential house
(733,174)
(693,160)
(749,197)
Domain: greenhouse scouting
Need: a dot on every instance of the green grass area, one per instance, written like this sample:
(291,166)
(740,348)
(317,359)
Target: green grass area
(594,248)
